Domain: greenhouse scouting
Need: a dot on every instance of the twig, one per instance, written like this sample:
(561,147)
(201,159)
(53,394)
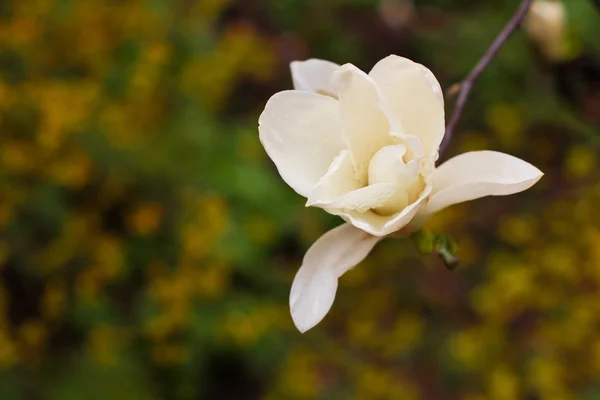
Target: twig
(467,84)
(597,3)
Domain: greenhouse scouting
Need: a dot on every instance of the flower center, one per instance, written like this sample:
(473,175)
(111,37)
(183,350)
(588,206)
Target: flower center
(391,164)
(387,164)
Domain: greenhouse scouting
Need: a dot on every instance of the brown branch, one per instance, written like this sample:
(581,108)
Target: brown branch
(467,84)
(597,3)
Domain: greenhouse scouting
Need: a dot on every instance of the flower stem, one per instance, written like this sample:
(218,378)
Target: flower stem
(467,84)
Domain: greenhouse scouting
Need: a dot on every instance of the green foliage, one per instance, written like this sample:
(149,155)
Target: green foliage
(439,244)
(147,244)
(447,249)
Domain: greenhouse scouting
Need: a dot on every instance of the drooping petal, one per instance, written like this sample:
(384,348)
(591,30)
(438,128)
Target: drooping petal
(381,225)
(302,133)
(315,284)
(313,75)
(412,100)
(478,174)
(365,125)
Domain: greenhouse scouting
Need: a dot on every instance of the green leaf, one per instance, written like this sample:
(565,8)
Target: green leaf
(446,248)
(442,245)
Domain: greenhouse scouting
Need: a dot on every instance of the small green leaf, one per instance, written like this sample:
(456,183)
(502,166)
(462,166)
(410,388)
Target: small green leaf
(442,245)
(446,248)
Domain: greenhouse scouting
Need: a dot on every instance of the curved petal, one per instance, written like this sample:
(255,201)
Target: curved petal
(339,180)
(388,166)
(339,188)
(478,174)
(366,127)
(389,182)
(413,144)
(379,225)
(313,75)
(412,100)
(302,133)
(315,284)
(361,200)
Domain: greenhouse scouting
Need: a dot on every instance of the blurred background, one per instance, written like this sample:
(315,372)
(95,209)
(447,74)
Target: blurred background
(147,244)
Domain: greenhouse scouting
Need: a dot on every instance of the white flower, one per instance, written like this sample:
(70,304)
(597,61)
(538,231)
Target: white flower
(364,146)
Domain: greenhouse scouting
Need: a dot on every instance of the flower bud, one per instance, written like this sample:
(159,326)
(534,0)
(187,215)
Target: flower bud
(546,25)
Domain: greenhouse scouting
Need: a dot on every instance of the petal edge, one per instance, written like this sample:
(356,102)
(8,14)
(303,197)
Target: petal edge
(315,284)
(302,133)
(476,174)
(313,75)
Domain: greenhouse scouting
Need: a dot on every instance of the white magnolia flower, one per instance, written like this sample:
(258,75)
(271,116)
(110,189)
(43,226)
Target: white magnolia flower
(364,146)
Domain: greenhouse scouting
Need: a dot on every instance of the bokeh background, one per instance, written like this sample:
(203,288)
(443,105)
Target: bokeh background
(147,244)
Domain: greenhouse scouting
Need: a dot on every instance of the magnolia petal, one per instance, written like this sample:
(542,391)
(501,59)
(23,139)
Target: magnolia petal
(413,144)
(388,166)
(412,100)
(478,174)
(379,225)
(387,163)
(302,133)
(361,200)
(365,125)
(339,188)
(339,180)
(313,75)
(315,284)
